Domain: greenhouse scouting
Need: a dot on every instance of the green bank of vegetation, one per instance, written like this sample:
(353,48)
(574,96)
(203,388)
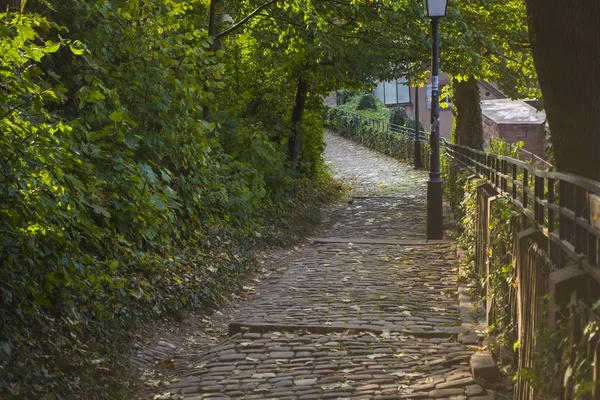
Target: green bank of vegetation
(142,167)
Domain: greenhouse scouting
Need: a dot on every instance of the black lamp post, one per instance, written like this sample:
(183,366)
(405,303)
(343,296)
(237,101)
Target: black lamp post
(435,9)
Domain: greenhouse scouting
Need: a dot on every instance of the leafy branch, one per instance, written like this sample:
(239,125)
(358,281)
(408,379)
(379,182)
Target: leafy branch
(244,20)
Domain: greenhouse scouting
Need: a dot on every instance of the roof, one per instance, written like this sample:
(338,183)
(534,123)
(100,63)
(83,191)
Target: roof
(507,111)
(492,87)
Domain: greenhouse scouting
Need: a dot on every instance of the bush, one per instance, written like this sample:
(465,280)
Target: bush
(344,96)
(368,101)
(399,116)
(412,123)
(355,127)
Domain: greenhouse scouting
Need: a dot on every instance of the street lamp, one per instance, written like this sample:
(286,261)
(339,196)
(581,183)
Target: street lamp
(435,9)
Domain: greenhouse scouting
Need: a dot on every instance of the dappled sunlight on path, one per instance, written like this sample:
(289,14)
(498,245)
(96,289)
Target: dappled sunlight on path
(369,311)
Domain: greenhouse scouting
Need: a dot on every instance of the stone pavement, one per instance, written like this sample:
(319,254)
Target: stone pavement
(344,319)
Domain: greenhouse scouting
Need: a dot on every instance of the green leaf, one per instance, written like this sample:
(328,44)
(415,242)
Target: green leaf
(41,300)
(116,116)
(101,210)
(147,172)
(77,47)
(51,47)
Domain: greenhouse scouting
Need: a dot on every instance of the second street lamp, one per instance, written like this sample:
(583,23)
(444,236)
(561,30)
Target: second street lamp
(435,9)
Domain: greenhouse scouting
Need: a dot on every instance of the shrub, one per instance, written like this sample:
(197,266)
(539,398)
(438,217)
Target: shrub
(412,123)
(399,116)
(344,96)
(367,101)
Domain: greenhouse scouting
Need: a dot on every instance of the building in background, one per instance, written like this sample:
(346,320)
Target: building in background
(515,121)
(401,93)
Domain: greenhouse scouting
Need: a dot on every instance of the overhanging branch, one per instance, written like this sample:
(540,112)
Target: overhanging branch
(245,20)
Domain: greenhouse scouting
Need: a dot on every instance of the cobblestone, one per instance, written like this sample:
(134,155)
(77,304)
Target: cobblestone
(348,320)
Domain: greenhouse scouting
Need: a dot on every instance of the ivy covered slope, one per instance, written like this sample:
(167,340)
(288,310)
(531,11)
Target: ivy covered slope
(118,201)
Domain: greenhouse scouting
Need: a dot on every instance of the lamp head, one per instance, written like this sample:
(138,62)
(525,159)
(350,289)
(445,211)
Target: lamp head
(435,8)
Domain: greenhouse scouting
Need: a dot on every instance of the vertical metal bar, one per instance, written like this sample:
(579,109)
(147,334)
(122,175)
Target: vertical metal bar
(504,176)
(580,197)
(497,170)
(514,181)
(538,209)
(562,199)
(525,186)
(551,201)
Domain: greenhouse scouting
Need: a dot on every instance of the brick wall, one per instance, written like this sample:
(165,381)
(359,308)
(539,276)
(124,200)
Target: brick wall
(533,135)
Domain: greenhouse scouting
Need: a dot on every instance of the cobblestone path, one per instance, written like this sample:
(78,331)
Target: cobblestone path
(369,311)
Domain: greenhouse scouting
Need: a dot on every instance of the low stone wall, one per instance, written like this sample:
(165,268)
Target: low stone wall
(533,135)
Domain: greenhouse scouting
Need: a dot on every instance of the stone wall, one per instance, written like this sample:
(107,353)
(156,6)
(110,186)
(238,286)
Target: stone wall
(533,135)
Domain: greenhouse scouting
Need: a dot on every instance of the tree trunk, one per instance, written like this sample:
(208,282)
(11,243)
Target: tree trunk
(11,5)
(466,105)
(565,40)
(295,140)
(213,23)
(213,30)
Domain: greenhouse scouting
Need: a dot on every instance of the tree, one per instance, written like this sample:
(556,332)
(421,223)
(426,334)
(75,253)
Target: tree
(468,128)
(485,40)
(320,45)
(566,60)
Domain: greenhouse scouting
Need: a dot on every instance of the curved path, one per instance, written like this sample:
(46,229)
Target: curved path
(369,311)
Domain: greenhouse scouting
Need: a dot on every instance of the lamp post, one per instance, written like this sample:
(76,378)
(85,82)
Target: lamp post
(435,9)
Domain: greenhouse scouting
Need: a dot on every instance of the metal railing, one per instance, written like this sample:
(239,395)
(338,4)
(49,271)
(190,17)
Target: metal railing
(395,140)
(406,131)
(410,134)
(558,204)
(532,158)
(555,261)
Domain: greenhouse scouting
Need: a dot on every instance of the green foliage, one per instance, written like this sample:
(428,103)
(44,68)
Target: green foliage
(343,96)
(380,112)
(489,40)
(367,101)
(399,116)
(412,124)
(373,134)
(505,221)
(466,211)
(563,362)
(454,186)
(119,202)
(499,146)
